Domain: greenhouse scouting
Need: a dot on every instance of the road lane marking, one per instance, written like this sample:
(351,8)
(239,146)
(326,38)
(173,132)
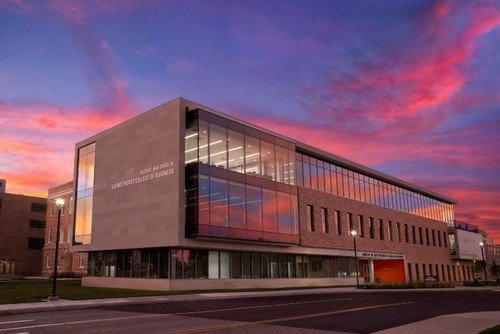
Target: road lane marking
(85,321)
(260,306)
(15,321)
(270,321)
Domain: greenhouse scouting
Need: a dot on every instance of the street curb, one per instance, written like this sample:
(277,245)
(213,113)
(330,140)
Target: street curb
(68,305)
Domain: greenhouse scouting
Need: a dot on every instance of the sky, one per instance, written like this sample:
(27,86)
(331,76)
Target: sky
(410,88)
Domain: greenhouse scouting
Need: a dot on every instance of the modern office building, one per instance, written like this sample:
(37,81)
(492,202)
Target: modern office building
(185,197)
(22,223)
(68,262)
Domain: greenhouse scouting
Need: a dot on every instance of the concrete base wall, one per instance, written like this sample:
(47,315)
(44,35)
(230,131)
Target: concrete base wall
(209,284)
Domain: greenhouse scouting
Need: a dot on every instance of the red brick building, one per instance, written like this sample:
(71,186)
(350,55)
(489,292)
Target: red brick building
(73,262)
(22,223)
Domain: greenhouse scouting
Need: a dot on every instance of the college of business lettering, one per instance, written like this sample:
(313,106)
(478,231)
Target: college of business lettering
(148,174)
(382,256)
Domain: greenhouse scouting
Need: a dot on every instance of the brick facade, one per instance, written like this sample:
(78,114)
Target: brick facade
(416,252)
(73,262)
(21,234)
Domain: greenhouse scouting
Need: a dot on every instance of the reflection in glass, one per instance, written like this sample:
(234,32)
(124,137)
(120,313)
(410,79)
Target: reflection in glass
(252,155)
(218,202)
(236,205)
(254,208)
(218,146)
(236,151)
(269,210)
(282,165)
(203,141)
(268,161)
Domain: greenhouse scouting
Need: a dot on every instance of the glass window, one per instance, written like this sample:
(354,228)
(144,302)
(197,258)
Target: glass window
(224,264)
(236,205)
(338,221)
(252,155)
(191,143)
(274,264)
(236,151)
(85,184)
(201,264)
(235,264)
(256,269)
(324,220)
(268,161)
(269,210)
(299,270)
(333,178)
(254,208)
(203,141)
(266,270)
(307,175)
(321,179)
(283,266)
(381,228)
(314,175)
(284,214)
(246,265)
(300,173)
(218,146)
(310,217)
(328,180)
(282,168)
(291,168)
(218,202)
(203,200)
(295,214)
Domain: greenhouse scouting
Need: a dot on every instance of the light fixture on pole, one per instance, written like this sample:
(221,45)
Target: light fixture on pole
(354,234)
(481,244)
(60,204)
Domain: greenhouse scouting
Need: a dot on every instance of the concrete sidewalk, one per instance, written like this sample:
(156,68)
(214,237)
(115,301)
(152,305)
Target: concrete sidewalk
(463,323)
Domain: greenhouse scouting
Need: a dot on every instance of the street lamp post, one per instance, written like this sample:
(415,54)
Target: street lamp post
(353,234)
(481,244)
(60,204)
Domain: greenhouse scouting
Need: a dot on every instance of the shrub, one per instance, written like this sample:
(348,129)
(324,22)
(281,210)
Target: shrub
(67,274)
(418,285)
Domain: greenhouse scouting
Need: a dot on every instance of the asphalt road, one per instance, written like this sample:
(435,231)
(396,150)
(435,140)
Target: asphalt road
(361,312)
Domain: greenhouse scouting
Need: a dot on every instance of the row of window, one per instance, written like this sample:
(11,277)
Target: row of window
(49,260)
(216,145)
(232,209)
(205,264)
(38,207)
(67,207)
(418,272)
(36,243)
(323,176)
(62,236)
(403,232)
(37,223)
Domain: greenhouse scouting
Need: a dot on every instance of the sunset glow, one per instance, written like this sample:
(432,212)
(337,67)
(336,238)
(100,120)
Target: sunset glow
(410,88)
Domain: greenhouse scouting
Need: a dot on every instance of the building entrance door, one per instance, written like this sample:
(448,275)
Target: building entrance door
(364,271)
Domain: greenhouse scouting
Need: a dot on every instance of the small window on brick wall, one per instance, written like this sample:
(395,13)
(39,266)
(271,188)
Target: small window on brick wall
(310,217)
(36,243)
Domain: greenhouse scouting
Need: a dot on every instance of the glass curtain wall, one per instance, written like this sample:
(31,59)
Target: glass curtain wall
(236,210)
(218,146)
(323,176)
(213,264)
(84,194)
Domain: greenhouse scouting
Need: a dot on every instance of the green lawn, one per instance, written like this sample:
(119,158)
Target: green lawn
(492,330)
(26,291)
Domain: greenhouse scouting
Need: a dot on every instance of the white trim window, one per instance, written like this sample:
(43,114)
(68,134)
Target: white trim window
(82,259)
